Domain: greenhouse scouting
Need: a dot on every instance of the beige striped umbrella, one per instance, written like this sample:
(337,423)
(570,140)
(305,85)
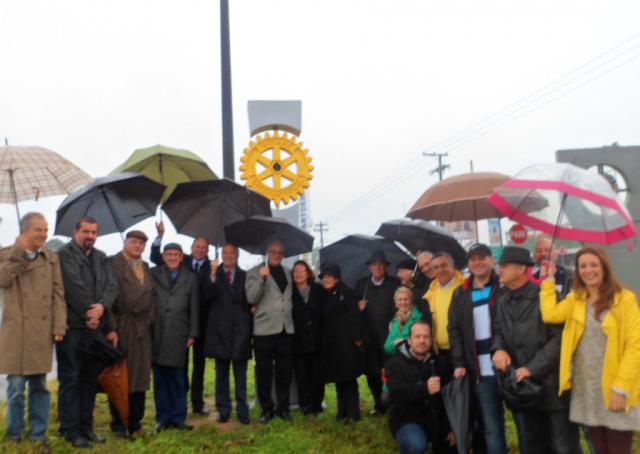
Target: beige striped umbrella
(28,173)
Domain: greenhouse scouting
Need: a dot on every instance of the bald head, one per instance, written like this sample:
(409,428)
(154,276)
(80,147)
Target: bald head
(542,250)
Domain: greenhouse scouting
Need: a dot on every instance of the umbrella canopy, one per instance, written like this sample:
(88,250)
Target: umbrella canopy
(459,198)
(353,251)
(204,208)
(254,234)
(117,202)
(455,396)
(416,235)
(581,206)
(168,166)
(114,381)
(33,172)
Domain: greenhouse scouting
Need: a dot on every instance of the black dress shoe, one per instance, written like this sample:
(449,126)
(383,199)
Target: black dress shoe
(95,438)
(181,426)
(201,412)
(80,443)
(285,416)
(244,420)
(223,419)
(266,417)
(122,433)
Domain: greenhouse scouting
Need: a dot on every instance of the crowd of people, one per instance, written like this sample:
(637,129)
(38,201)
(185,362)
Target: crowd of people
(569,339)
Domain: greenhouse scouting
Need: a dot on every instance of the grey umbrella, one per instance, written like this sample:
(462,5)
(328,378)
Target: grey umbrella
(116,202)
(416,234)
(254,234)
(353,251)
(455,397)
(204,208)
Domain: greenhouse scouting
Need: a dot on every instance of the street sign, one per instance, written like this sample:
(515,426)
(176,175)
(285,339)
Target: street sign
(518,234)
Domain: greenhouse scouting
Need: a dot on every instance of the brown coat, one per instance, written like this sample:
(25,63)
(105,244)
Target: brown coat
(133,311)
(34,310)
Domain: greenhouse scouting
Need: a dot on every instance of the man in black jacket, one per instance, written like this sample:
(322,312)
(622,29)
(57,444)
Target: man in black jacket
(375,292)
(198,263)
(470,335)
(523,341)
(90,288)
(415,378)
(229,333)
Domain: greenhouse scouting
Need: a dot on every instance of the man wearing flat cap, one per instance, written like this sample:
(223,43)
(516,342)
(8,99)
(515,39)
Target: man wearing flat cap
(375,293)
(133,311)
(530,346)
(175,329)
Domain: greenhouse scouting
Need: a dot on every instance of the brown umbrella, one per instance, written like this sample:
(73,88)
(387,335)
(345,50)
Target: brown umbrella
(459,198)
(114,380)
(33,172)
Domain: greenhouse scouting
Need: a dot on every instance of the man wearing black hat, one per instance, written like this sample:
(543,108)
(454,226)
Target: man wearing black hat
(523,341)
(133,311)
(472,311)
(376,303)
(174,331)
(407,270)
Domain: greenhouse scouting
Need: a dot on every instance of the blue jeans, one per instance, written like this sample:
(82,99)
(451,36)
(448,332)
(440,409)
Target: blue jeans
(412,439)
(491,409)
(170,394)
(39,404)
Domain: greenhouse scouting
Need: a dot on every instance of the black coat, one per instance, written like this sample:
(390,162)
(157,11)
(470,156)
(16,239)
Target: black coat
(410,401)
(461,325)
(518,328)
(306,319)
(341,327)
(377,315)
(230,322)
(80,288)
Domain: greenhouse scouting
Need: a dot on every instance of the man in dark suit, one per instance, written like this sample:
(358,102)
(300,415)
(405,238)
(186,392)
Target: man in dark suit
(229,333)
(198,263)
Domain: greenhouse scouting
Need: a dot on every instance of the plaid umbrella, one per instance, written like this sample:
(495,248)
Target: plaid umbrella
(33,172)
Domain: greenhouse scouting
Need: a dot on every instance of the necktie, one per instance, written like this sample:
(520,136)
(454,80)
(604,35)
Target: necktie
(229,277)
(196,267)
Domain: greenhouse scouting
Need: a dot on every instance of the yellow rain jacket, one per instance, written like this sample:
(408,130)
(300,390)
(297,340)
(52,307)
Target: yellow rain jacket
(441,320)
(621,325)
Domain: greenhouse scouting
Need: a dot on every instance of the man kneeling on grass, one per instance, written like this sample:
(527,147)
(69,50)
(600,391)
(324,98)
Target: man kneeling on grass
(415,377)
(174,331)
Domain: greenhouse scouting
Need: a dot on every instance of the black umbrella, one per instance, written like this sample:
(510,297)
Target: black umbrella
(117,202)
(416,234)
(455,396)
(353,251)
(255,233)
(204,208)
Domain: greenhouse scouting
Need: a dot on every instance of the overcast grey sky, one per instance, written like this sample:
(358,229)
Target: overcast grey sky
(380,82)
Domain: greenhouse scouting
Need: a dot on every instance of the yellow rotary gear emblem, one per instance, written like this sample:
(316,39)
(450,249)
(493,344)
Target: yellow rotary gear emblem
(277,167)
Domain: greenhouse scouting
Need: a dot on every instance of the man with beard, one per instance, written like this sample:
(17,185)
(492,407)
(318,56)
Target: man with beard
(378,308)
(134,311)
(90,288)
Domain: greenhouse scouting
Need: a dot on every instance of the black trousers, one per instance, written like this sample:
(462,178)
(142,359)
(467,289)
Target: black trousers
(373,370)
(274,353)
(547,432)
(223,389)
(136,413)
(309,382)
(197,375)
(348,400)
(77,388)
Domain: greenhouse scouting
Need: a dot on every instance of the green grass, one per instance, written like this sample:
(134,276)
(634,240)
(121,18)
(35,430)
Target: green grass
(304,435)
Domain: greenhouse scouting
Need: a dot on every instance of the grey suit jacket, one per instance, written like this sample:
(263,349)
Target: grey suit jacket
(273,307)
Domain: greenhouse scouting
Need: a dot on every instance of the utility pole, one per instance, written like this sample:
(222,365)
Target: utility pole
(441,167)
(321,227)
(228,160)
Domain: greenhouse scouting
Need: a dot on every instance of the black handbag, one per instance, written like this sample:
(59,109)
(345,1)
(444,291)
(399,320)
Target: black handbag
(525,395)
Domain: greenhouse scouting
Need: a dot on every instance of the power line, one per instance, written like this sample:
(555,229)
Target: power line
(441,167)
(321,227)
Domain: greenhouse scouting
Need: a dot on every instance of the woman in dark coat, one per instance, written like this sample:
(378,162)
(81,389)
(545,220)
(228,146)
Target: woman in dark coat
(341,341)
(307,295)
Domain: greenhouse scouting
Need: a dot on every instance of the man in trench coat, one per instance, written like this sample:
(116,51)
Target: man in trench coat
(133,311)
(34,317)
(175,330)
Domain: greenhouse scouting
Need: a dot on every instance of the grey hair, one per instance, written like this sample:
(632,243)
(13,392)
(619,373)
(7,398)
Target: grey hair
(445,255)
(275,241)
(425,254)
(25,222)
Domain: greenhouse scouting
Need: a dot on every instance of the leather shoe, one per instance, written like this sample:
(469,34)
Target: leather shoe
(182,426)
(201,412)
(285,416)
(80,443)
(95,438)
(244,420)
(223,419)
(266,417)
(122,433)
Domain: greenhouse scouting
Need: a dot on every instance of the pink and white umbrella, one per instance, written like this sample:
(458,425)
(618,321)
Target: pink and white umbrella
(581,206)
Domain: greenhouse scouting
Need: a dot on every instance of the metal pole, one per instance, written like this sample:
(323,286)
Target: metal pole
(15,195)
(228,164)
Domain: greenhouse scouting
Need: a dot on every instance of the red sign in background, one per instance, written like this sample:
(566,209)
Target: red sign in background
(518,234)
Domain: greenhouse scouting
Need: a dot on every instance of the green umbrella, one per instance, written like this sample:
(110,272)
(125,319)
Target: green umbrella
(168,166)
